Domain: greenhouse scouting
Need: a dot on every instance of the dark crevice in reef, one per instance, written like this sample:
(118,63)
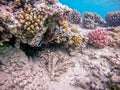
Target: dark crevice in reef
(1,63)
(31,52)
(12,41)
(34,52)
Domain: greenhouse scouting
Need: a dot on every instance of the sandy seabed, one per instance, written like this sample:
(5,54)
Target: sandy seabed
(86,69)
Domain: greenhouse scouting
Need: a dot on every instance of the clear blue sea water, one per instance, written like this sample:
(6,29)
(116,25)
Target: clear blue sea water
(99,6)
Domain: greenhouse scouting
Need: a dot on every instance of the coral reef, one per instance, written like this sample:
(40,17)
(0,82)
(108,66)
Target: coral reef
(113,18)
(114,36)
(33,25)
(39,23)
(51,1)
(44,22)
(74,29)
(88,24)
(64,24)
(74,17)
(98,38)
(77,40)
(31,22)
(91,20)
(19,3)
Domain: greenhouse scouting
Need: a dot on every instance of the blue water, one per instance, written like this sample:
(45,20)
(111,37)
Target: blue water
(99,6)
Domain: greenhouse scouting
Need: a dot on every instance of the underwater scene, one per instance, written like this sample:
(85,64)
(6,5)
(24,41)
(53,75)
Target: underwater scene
(59,44)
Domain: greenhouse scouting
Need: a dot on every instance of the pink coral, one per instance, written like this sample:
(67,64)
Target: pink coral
(98,38)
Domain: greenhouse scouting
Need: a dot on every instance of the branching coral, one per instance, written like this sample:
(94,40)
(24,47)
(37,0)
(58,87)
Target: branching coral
(39,23)
(51,1)
(77,40)
(91,20)
(113,18)
(98,38)
(88,23)
(31,22)
(22,3)
(74,17)
(69,38)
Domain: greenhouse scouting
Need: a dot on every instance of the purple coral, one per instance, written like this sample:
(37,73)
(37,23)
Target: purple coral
(98,38)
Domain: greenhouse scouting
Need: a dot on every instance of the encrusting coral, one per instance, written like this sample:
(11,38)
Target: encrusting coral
(98,38)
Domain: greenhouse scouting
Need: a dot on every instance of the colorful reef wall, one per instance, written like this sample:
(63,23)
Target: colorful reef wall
(71,43)
(39,22)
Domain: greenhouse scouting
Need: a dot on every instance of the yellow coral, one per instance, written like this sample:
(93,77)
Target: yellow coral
(64,24)
(30,20)
(77,40)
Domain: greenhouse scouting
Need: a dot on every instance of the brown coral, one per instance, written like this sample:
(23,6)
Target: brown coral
(30,20)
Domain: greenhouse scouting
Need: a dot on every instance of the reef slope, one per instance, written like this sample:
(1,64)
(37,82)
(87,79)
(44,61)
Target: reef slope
(88,69)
